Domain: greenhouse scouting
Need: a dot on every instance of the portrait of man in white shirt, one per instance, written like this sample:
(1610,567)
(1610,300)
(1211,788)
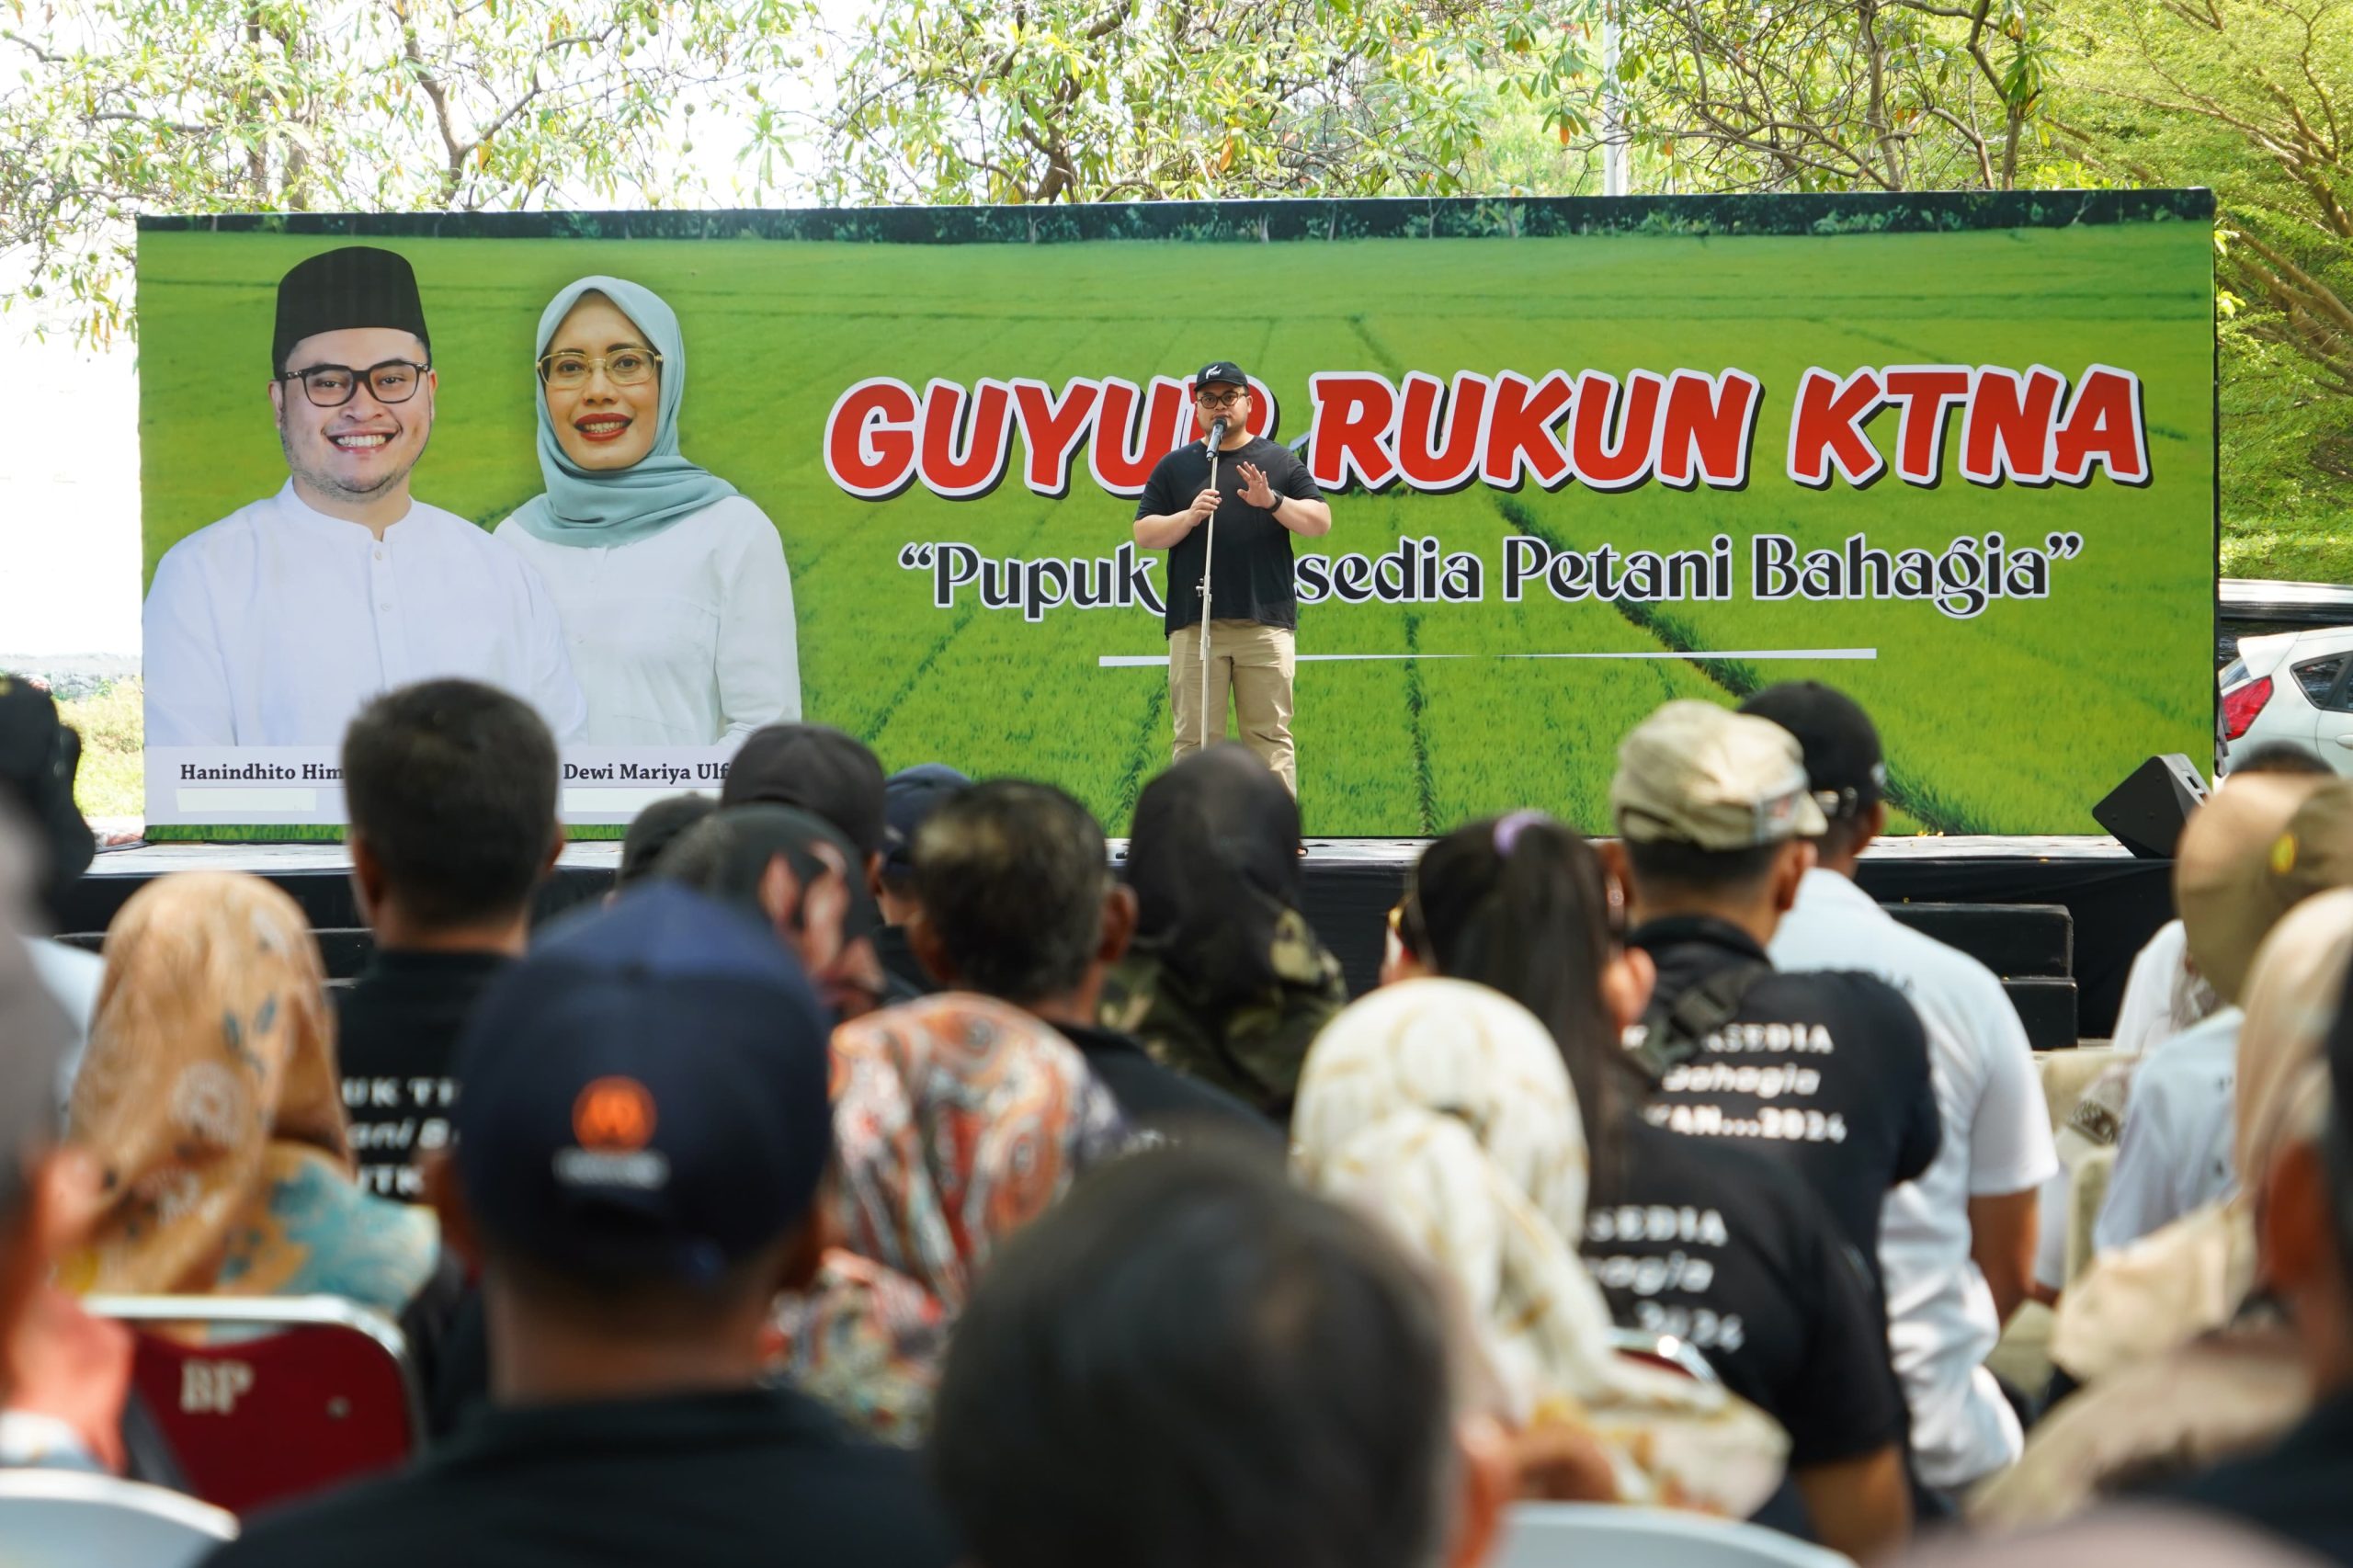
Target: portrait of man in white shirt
(272,626)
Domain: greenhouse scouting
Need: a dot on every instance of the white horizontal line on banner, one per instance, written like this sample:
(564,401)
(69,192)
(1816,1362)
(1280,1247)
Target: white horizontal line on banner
(1133,661)
(621,803)
(295,801)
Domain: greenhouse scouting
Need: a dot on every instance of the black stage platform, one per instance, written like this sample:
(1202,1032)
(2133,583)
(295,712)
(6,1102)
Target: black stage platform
(2115,901)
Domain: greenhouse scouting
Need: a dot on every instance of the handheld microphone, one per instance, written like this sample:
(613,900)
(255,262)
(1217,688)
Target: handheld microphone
(1217,437)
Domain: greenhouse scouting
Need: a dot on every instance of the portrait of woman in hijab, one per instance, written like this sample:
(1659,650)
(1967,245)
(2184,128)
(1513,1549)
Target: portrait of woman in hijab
(675,599)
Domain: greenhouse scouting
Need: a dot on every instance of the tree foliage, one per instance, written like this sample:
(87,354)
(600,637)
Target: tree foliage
(2253,98)
(1095,100)
(110,108)
(1837,95)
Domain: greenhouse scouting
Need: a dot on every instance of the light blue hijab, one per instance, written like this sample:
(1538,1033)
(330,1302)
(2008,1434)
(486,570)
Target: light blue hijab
(586,507)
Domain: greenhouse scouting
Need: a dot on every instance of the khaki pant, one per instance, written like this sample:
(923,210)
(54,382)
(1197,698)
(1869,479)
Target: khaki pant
(1252,663)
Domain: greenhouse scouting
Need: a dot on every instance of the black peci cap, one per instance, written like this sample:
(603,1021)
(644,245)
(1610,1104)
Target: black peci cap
(335,290)
(1843,760)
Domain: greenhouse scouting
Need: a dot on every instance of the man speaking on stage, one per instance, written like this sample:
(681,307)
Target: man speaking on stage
(1258,494)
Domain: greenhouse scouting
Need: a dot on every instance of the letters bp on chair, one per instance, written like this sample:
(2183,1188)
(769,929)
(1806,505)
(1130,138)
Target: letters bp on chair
(301,1393)
(1608,1535)
(63,1518)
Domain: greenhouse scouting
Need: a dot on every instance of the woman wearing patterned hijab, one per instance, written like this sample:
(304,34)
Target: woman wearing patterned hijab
(212,1103)
(672,586)
(1443,1105)
(957,1120)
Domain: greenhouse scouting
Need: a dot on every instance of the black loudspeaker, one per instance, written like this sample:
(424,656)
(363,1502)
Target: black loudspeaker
(2145,813)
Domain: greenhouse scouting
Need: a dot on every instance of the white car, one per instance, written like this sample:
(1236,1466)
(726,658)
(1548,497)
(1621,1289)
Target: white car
(2291,686)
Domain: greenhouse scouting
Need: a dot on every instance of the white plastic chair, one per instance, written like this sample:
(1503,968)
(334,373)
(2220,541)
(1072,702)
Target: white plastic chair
(1602,1535)
(64,1519)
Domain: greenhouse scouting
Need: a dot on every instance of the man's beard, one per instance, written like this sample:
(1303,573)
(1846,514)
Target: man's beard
(329,485)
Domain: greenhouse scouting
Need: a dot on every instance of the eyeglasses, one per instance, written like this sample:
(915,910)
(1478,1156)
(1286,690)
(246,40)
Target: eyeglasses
(1223,399)
(629,368)
(332,386)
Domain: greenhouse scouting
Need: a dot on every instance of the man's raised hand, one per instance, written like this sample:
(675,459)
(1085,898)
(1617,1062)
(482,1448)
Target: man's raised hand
(1255,488)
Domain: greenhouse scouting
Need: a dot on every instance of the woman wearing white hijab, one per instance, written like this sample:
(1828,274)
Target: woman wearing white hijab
(1444,1106)
(676,600)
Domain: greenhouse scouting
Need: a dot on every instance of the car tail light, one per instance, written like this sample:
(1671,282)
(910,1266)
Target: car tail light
(2241,705)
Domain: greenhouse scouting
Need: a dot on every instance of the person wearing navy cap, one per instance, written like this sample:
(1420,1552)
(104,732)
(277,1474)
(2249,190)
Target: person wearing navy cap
(643,1132)
(273,626)
(1260,495)
(909,796)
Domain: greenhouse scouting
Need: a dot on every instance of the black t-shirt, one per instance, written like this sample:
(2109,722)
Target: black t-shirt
(1826,1073)
(1160,1100)
(907,976)
(396,1034)
(2295,1491)
(1252,556)
(741,1478)
(1731,1253)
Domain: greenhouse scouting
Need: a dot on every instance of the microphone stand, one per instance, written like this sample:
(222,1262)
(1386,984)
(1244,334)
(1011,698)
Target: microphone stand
(1208,557)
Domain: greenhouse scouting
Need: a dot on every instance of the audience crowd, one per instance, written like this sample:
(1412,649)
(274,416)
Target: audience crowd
(879,1172)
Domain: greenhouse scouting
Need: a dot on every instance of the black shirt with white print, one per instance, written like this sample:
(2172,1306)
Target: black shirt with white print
(1254,561)
(396,1037)
(1826,1074)
(1732,1254)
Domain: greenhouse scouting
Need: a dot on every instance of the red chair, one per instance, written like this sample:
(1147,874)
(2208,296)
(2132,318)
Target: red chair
(322,1393)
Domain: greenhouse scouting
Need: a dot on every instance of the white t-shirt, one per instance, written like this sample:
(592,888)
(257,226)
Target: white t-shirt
(685,638)
(274,626)
(2144,1018)
(72,975)
(1941,1322)
(2175,1152)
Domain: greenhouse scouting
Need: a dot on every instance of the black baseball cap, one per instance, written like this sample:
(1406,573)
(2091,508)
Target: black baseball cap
(909,796)
(40,755)
(646,1093)
(815,768)
(728,853)
(1224,370)
(1843,761)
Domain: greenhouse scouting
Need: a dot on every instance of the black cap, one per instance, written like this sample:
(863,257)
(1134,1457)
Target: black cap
(646,1093)
(728,854)
(1843,761)
(1224,370)
(39,758)
(817,770)
(909,796)
(338,290)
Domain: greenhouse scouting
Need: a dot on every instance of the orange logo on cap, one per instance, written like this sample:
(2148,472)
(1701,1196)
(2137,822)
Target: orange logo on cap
(613,1116)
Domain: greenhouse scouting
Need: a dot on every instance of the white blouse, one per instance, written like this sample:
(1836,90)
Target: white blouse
(685,638)
(271,627)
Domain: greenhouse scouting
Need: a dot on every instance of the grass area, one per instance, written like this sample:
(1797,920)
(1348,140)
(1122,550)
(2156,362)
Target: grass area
(2300,552)
(112,726)
(2009,723)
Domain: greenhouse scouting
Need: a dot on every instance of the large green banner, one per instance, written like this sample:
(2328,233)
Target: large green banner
(1954,455)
